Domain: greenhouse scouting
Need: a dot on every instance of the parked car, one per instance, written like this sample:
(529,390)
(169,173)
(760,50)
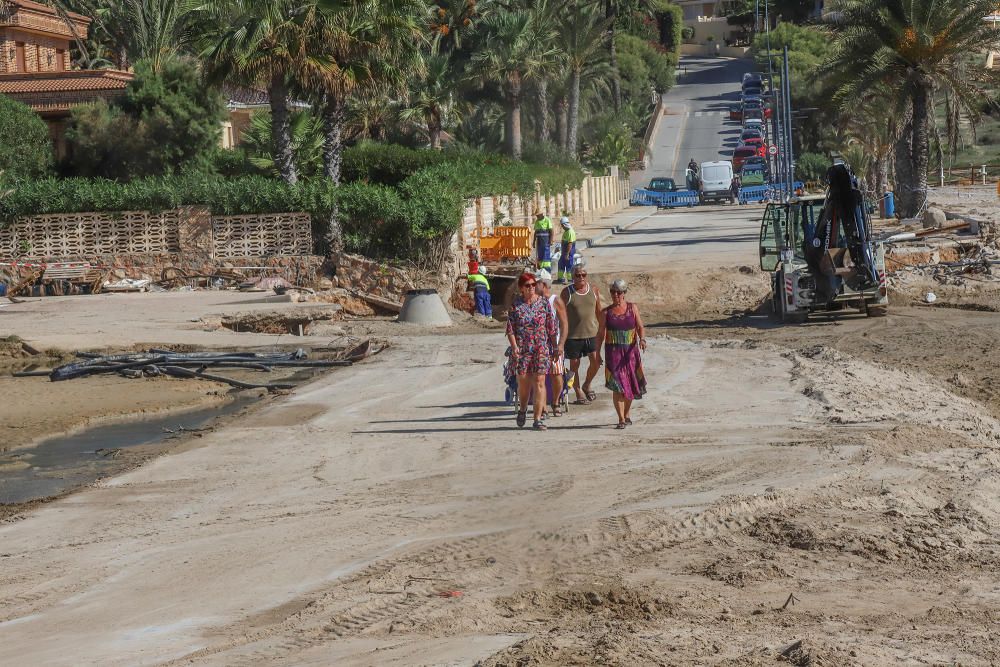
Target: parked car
(752,174)
(751,133)
(752,91)
(753,114)
(753,78)
(741,154)
(753,123)
(758,161)
(736,112)
(661,184)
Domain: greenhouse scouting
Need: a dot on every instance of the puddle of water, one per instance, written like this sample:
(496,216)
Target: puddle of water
(65,462)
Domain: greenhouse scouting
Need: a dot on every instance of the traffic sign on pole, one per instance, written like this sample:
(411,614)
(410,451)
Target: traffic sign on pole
(772,149)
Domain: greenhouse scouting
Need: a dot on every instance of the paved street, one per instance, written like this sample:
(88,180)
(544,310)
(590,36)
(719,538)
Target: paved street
(701,236)
(696,124)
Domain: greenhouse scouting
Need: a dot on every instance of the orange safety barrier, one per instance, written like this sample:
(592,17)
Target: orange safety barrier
(506,244)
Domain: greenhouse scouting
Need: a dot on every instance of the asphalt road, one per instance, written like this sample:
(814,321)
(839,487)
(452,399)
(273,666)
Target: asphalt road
(696,119)
(690,238)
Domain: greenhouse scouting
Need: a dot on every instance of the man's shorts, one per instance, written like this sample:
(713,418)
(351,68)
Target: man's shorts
(577,348)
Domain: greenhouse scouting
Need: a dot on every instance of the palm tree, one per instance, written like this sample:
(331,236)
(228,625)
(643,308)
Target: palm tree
(266,43)
(307,143)
(371,46)
(582,40)
(451,21)
(876,125)
(516,48)
(913,48)
(432,95)
(151,30)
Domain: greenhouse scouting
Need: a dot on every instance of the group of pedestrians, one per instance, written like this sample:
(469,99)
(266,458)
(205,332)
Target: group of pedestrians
(546,330)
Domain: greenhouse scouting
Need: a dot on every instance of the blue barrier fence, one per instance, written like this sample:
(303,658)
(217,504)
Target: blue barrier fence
(754,193)
(758,193)
(642,197)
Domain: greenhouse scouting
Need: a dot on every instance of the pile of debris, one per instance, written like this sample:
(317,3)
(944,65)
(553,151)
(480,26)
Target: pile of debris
(195,365)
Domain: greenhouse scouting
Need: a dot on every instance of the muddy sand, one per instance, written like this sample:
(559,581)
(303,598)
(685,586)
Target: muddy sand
(823,494)
(786,494)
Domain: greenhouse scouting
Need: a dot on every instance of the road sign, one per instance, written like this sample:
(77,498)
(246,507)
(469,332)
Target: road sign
(773,150)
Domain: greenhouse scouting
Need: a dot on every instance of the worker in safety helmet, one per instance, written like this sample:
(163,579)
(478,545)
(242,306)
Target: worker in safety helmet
(568,250)
(543,241)
(693,166)
(481,292)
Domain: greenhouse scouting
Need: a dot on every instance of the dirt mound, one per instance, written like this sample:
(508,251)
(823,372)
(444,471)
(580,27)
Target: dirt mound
(936,539)
(739,571)
(609,602)
(682,296)
(852,391)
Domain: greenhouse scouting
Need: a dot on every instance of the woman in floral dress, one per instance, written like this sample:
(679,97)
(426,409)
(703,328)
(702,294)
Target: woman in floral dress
(531,331)
(624,335)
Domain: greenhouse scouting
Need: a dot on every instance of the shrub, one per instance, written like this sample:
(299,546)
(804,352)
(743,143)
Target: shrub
(387,164)
(657,68)
(25,146)
(671,18)
(163,122)
(811,167)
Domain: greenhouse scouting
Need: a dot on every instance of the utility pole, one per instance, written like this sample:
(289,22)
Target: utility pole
(789,151)
(770,73)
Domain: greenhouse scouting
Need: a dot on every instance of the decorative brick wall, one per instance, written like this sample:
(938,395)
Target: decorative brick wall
(277,234)
(63,235)
(190,230)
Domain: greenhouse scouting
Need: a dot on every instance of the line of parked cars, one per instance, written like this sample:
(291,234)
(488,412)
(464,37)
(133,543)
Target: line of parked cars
(750,154)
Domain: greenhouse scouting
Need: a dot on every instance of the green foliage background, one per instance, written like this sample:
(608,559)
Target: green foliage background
(25,147)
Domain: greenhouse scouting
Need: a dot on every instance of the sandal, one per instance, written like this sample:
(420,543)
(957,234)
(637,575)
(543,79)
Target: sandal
(628,422)
(556,412)
(620,427)
(591,394)
(540,426)
(522,417)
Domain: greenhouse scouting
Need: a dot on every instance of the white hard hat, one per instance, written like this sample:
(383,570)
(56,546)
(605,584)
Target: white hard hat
(564,221)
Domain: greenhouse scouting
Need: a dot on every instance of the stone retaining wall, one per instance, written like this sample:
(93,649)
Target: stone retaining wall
(377,278)
(304,270)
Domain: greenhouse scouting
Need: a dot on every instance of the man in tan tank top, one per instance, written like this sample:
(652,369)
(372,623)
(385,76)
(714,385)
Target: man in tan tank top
(583,304)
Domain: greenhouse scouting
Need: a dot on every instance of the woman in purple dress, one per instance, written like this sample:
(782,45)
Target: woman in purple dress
(531,331)
(624,336)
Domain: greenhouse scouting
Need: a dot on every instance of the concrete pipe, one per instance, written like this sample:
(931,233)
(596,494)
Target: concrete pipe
(424,306)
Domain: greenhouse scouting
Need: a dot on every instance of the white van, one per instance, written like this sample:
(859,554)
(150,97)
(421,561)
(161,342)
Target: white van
(716,178)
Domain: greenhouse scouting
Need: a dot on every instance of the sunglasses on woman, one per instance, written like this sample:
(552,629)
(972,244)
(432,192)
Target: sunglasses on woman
(528,285)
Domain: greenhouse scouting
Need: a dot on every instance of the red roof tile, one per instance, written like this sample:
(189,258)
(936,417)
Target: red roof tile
(26,83)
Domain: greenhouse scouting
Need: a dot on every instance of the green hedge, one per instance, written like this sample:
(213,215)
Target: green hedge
(378,220)
(386,164)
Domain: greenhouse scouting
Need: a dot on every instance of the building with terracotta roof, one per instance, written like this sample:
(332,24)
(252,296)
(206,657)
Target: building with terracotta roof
(35,66)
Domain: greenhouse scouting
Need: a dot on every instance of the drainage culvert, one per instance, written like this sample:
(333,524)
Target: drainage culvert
(424,306)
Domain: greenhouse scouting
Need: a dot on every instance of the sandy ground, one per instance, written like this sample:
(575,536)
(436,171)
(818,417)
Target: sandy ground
(822,494)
